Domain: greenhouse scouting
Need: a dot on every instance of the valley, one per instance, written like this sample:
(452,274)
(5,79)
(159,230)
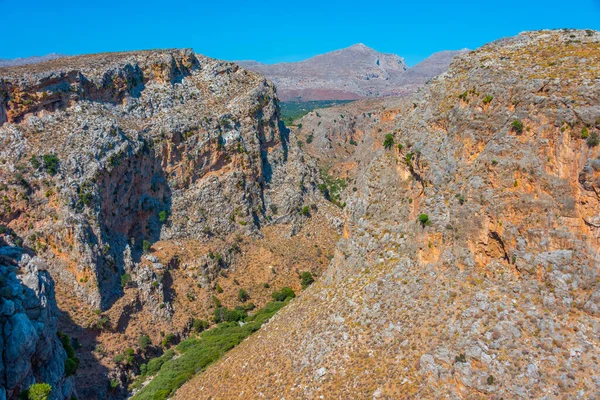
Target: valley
(176,226)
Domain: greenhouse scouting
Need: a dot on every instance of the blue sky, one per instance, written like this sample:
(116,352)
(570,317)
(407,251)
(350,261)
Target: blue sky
(274,31)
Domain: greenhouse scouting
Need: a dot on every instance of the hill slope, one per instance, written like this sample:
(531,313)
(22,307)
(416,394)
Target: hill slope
(469,262)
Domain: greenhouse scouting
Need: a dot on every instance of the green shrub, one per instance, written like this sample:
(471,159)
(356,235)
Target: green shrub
(460,358)
(408,158)
(266,285)
(223,314)
(424,219)
(218,289)
(38,391)
(585,133)
(388,142)
(593,140)
(144,342)
(243,295)
(163,216)
(488,99)
(307,279)
(146,245)
(284,294)
(199,325)
(51,162)
(35,163)
(309,139)
(72,362)
(517,126)
(169,339)
(125,279)
(305,211)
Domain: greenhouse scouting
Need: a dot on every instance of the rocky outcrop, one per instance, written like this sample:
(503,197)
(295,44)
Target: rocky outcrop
(109,152)
(28,60)
(31,350)
(352,73)
(469,262)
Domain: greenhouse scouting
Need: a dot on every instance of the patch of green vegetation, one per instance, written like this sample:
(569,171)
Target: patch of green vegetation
(72,362)
(517,126)
(593,140)
(51,162)
(488,99)
(332,188)
(585,133)
(197,353)
(388,142)
(37,391)
(424,219)
(293,110)
(283,295)
(146,245)
(163,216)
(307,279)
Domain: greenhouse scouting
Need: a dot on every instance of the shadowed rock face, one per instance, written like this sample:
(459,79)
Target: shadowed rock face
(469,261)
(29,345)
(352,73)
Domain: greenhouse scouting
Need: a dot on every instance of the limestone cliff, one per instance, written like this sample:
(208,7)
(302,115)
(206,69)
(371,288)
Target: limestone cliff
(107,152)
(469,262)
(30,348)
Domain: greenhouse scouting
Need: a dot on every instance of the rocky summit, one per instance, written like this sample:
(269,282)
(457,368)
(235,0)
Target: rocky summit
(163,234)
(351,73)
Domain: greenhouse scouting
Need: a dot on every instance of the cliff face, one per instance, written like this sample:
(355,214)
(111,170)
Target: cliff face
(148,146)
(150,183)
(469,261)
(31,350)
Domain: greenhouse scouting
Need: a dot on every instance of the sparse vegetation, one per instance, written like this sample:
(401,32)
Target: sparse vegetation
(488,99)
(196,354)
(125,279)
(305,211)
(585,133)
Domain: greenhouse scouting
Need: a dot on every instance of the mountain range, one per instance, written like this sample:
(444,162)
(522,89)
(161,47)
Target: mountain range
(351,73)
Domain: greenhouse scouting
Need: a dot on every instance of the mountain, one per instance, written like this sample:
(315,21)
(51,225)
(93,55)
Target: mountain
(28,60)
(351,73)
(468,266)
(155,185)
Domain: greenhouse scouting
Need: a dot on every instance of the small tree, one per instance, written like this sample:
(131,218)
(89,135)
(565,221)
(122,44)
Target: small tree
(305,211)
(146,246)
(424,219)
(517,126)
(51,162)
(243,295)
(199,325)
(388,142)
(307,279)
(144,342)
(162,216)
(39,391)
(593,140)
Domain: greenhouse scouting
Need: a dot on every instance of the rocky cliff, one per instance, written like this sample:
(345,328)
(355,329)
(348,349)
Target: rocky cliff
(469,261)
(152,182)
(30,348)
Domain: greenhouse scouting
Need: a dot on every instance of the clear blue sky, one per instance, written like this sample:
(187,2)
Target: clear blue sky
(274,31)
